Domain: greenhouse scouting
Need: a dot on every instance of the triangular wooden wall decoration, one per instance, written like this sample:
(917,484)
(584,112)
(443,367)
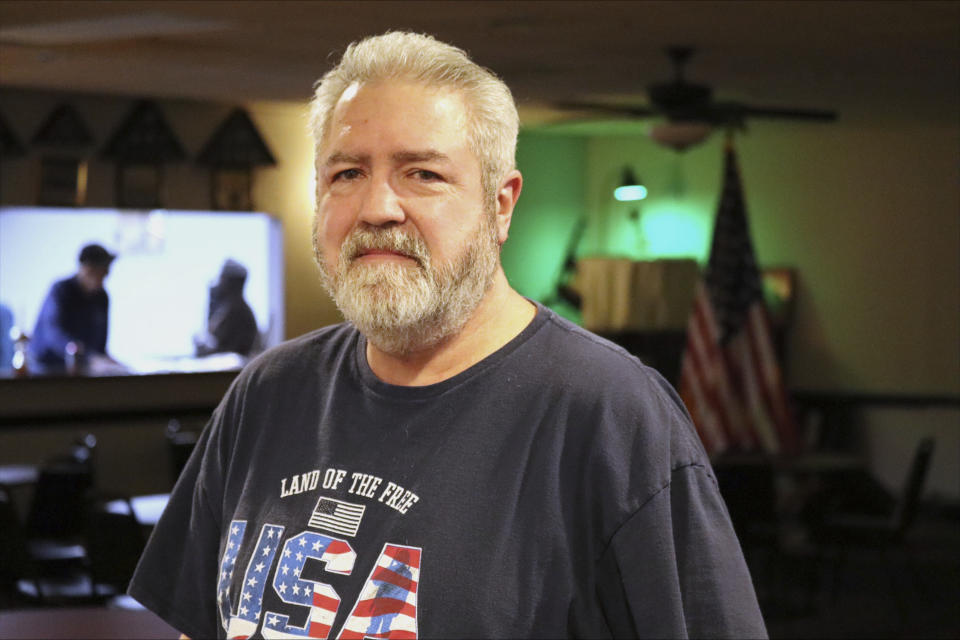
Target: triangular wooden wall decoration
(63,128)
(144,138)
(236,144)
(10,146)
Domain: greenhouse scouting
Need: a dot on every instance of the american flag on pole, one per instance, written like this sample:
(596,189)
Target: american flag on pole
(729,378)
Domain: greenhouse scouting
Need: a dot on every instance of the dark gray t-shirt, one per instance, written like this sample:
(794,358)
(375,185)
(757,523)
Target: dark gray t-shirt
(555,489)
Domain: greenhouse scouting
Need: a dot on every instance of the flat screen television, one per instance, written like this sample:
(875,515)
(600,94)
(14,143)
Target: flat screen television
(158,284)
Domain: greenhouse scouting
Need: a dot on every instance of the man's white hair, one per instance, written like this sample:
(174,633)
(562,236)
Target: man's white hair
(493,119)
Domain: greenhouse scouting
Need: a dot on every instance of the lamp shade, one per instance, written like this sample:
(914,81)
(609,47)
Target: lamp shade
(679,136)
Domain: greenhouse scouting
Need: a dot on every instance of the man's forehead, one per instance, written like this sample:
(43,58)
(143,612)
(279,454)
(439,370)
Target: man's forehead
(405,119)
(409,97)
(401,156)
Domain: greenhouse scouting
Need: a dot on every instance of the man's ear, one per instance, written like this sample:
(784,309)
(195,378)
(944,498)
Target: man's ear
(507,195)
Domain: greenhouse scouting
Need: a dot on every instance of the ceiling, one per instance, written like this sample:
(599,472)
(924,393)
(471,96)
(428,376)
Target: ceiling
(886,59)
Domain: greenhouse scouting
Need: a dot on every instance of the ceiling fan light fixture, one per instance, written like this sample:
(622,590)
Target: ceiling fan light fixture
(680,136)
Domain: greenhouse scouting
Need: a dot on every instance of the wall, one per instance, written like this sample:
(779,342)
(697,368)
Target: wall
(867,215)
(286,191)
(544,220)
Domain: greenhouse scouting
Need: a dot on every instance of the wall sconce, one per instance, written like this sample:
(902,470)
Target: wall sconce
(630,189)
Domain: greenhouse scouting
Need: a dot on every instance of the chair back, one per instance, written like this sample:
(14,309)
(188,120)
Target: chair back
(114,542)
(14,555)
(749,492)
(59,500)
(906,510)
(180,444)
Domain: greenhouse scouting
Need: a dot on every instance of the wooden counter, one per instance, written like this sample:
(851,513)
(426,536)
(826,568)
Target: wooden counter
(54,398)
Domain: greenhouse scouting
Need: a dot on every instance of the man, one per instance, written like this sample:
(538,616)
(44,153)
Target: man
(456,461)
(72,325)
(231,325)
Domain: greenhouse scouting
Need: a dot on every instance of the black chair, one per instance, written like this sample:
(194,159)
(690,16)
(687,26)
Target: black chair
(83,448)
(839,533)
(114,542)
(845,530)
(56,517)
(81,452)
(749,490)
(14,557)
(180,444)
(60,493)
(24,582)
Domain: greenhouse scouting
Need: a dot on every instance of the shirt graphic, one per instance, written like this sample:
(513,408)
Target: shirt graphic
(337,516)
(304,604)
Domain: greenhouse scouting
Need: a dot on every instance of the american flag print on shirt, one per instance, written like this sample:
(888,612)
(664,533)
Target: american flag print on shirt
(246,616)
(227,562)
(387,606)
(298,606)
(337,557)
(337,516)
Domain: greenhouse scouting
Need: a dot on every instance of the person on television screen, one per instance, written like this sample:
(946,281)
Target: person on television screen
(231,325)
(72,326)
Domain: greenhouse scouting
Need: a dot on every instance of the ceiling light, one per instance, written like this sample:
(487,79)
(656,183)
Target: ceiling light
(679,136)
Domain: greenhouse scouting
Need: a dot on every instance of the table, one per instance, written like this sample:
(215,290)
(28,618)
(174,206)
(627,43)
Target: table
(17,478)
(15,475)
(147,509)
(822,462)
(774,491)
(85,622)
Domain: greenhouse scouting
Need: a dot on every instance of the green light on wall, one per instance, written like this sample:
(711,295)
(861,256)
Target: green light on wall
(675,229)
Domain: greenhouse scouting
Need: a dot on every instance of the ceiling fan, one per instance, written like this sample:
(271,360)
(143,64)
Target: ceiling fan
(690,111)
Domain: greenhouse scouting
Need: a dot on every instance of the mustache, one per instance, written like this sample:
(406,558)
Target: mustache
(392,239)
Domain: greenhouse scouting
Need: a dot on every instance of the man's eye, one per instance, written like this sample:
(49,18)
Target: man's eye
(426,176)
(346,174)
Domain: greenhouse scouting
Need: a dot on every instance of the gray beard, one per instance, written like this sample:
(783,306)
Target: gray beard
(403,308)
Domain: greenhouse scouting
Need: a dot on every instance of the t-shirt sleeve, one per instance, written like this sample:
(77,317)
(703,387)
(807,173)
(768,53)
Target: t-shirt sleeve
(675,568)
(177,574)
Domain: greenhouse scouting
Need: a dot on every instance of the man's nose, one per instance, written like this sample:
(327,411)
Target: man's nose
(380,204)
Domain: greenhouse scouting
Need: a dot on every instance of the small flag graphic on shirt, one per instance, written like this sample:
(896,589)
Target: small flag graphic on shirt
(337,516)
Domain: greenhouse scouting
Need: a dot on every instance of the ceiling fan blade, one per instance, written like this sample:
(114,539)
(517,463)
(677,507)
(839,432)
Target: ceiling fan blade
(634,111)
(821,115)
